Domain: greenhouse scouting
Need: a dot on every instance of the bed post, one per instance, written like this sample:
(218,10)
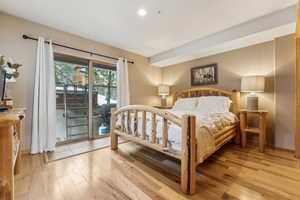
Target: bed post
(236,96)
(113,135)
(188,155)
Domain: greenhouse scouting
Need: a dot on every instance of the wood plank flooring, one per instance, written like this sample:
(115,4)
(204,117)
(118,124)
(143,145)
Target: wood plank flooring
(139,173)
(73,149)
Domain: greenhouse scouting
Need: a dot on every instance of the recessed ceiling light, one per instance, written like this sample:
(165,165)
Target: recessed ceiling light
(142,12)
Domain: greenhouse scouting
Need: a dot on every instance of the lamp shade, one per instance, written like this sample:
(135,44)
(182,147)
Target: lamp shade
(163,90)
(253,84)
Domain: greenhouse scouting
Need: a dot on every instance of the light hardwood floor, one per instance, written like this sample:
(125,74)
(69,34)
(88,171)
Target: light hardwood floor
(135,172)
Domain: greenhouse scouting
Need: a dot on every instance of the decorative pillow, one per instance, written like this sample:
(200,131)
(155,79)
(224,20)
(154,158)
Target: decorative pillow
(185,104)
(213,104)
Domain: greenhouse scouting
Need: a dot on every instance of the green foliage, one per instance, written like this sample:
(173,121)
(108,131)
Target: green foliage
(64,73)
(15,66)
(105,80)
(2,61)
(16,74)
(9,76)
(105,77)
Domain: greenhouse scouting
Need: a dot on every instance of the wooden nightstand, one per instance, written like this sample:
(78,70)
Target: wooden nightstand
(261,131)
(163,107)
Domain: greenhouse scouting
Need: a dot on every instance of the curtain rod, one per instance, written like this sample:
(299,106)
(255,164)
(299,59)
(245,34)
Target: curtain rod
(64,46)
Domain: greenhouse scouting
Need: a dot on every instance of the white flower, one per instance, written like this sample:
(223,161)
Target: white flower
(9,70)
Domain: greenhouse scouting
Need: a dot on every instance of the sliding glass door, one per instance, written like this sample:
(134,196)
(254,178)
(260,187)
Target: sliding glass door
(83,114)
(104,97)
(71,98)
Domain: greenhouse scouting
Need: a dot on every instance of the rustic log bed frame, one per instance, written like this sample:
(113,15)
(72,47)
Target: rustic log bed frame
(188,154)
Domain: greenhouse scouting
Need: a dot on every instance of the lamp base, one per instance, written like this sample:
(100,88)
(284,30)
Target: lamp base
(252,102)
(163,102)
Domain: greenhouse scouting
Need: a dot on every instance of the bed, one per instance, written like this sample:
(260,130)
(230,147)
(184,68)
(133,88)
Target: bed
(196,127)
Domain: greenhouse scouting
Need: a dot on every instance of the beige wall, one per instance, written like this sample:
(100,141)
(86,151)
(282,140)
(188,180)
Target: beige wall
(23,51)
(254,60)
(285,91)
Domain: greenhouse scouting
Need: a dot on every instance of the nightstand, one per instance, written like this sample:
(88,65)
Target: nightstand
(163,107)
(261,130)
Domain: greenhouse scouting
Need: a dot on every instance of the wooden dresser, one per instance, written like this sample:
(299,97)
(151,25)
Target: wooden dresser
(10,140)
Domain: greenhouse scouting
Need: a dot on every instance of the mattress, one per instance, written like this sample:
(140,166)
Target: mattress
(207,124)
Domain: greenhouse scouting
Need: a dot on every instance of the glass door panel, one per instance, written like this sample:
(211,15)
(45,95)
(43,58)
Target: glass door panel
(104,98)
(71,98)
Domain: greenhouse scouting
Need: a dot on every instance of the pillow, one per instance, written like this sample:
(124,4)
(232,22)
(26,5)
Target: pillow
(185,104)
(213,104)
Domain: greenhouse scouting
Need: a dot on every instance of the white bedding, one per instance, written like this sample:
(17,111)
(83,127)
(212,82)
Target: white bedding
(206,126)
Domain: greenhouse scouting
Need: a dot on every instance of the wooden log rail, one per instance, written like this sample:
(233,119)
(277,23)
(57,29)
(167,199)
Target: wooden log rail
(187,155)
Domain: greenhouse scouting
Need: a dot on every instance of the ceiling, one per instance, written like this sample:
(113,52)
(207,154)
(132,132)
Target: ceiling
(164,36)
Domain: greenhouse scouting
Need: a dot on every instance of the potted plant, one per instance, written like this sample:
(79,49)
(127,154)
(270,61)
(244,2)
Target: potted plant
(12,72)
(10,68)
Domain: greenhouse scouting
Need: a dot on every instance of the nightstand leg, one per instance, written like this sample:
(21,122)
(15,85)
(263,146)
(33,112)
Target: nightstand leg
(244,139)
(262,135)
(243,119)
(237,138)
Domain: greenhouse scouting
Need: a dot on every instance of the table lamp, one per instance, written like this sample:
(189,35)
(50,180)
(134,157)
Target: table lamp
(163,91)
(253,84)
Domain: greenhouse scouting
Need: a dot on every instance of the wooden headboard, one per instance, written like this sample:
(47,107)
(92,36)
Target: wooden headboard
(198,92)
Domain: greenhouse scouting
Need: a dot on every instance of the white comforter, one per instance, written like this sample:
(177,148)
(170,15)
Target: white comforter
(206,126)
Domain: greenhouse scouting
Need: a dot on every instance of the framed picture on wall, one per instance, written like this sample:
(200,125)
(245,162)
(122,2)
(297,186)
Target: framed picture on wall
(204,75)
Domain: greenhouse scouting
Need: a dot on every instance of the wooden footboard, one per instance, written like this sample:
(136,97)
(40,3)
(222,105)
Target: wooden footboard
(187,124)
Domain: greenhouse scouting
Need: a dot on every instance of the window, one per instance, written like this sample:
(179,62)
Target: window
(105,84)
(74,108)
(105,89)
(72,105)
